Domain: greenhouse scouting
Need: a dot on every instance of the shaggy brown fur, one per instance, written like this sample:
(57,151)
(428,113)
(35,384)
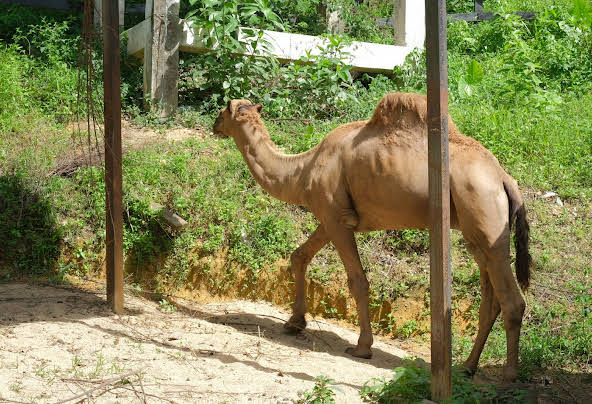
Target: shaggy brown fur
(373,175)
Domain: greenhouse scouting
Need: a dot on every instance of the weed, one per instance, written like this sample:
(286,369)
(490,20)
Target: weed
(165,305)
(322,392)
(411,384)
(408,328)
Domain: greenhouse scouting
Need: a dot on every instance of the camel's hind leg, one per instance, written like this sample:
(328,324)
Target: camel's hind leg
(512,304)
(345,243)
(483,212)
(488,312)
(300,259)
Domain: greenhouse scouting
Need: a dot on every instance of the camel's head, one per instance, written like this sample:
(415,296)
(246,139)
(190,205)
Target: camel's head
(234,115)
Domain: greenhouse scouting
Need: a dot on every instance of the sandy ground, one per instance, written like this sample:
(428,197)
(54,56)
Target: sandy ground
(62,344)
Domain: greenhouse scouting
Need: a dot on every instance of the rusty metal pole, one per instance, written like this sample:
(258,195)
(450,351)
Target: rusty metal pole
(439,185)
(113,171)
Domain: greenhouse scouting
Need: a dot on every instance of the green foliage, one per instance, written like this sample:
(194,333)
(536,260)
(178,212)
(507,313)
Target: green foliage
(263,240)
(557,337)
(323,79)
(12,93)
(303,16)
(408,240)
(144,236)
(221,74)
(360,17)
(408,328)
(322,76)
(460,6)
(411,384)
(321,393)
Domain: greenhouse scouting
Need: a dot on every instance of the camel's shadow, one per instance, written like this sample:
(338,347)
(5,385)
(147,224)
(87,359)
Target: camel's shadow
(316,337)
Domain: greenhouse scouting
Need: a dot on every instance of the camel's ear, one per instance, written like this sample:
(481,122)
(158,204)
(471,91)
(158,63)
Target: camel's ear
(230,107)
(259,107)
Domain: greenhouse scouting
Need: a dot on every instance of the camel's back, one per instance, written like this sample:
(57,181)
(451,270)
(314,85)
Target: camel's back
(384,161)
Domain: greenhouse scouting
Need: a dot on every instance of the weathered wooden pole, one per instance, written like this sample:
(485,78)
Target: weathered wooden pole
(98,13)
(439,185)
(113,174)
(161,56)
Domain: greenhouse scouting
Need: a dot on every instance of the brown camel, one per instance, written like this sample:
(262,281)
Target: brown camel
(373,175)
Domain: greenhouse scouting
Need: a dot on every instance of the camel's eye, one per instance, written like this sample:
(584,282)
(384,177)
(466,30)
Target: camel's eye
(243,108)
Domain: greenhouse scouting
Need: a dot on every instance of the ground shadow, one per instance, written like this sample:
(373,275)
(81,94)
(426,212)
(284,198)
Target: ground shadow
(314,338)
(30,237)
(27,303)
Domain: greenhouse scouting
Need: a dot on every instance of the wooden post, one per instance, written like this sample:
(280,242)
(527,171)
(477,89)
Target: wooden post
(439,185)
(98,13)
(161,56)
(399,14)
(113,171)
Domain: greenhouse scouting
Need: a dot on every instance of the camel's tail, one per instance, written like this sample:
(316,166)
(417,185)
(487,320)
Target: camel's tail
(518,213)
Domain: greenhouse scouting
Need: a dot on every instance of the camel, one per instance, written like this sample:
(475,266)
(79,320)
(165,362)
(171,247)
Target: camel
(373,175)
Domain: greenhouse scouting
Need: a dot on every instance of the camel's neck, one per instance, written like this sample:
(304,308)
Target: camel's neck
(279,174)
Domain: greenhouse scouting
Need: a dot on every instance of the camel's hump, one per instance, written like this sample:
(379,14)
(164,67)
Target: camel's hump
(403,110)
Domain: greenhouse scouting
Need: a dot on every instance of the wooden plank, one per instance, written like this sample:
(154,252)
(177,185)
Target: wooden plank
(113,170)
(439,186)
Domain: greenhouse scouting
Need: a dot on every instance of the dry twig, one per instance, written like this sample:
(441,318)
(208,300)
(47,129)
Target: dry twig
(104,384)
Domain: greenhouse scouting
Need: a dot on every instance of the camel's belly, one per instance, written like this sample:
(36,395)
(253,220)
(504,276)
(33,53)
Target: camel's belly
(383,203)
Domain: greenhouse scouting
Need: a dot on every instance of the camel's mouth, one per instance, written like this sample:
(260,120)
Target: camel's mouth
(219,125)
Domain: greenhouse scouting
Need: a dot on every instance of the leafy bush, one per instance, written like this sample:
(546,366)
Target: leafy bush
(411,384)
(323,78)
(12,93)
(220,73)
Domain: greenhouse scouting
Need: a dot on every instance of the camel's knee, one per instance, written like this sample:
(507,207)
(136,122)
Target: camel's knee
(299,260)
(358,284)
(513,311)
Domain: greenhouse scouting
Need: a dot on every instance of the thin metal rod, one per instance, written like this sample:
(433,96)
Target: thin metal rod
(113,170)
(439,186)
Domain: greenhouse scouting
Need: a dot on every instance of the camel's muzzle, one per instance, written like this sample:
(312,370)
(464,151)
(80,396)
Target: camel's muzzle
(218,125)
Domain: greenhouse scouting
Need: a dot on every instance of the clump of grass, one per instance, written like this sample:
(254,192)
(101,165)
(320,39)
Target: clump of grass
(411,384)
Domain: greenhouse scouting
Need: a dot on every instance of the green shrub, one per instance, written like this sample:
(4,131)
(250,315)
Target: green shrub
(12,94)
(411,384)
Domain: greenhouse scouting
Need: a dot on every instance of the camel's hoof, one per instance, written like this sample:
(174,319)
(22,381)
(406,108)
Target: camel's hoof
(364,353)
(468,369)
(295,325)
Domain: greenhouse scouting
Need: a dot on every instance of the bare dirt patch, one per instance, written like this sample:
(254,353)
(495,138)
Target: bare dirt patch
(59,342)
(132,138)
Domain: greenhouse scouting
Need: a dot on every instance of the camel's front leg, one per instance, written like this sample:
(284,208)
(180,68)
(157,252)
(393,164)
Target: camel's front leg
(300,259)
(345,243)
